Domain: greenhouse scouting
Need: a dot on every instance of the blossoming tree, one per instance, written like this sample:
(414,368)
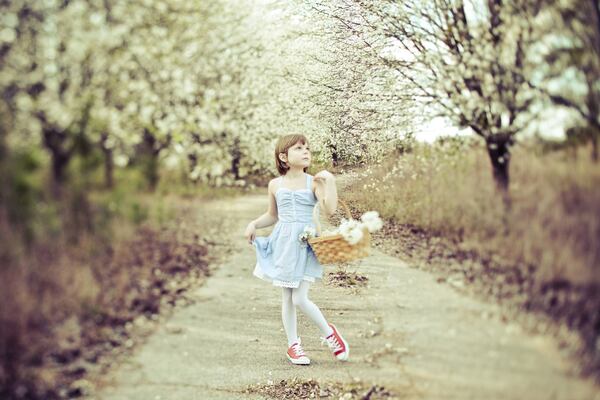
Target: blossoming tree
(466,60)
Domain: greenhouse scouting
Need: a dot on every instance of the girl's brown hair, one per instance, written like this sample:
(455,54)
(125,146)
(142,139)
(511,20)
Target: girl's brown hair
(283,145)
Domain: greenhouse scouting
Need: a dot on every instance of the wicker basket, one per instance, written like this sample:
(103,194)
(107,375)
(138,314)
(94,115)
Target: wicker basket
(333,249)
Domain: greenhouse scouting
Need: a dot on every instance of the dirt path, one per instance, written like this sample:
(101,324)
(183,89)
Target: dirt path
(408,333)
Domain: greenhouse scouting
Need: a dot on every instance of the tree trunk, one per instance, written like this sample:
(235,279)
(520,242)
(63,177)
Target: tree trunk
(108,162)
(153,171)
(499,153)
(59,165)
(109,181)
(60,160)
(334,156)
(151,151)
(55,141)
(236,156)
(193,162)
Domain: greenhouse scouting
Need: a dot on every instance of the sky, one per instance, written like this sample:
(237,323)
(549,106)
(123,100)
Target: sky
(439,126)
(551,124)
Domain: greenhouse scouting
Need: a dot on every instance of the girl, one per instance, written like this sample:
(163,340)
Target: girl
(281,258)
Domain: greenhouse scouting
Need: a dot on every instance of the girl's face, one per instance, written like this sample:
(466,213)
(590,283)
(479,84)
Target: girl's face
(299,155)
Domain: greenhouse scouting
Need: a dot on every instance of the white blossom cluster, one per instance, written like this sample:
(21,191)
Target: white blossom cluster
(353,230)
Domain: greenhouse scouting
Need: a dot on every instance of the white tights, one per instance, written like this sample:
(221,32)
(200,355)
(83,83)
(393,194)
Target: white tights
(293,297)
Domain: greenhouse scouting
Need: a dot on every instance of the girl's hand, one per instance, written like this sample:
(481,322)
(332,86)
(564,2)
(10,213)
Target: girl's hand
(250,233)
(321,178)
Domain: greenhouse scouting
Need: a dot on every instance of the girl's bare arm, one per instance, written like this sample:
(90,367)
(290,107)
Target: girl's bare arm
(326,191)
(271,216)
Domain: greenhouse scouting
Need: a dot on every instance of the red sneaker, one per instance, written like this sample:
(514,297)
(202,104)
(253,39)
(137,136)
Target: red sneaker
(296,354)
(338,346)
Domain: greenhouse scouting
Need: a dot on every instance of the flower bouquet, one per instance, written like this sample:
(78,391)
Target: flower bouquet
(306,234)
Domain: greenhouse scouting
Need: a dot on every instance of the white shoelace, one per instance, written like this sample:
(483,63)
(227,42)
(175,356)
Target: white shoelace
(298,350)
(332,342)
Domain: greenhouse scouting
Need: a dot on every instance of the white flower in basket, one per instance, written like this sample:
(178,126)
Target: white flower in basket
(353,230)
(371,220)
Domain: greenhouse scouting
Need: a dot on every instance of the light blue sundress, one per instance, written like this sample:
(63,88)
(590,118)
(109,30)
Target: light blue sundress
(281,258)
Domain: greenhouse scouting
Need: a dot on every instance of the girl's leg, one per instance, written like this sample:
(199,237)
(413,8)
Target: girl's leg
(300,299)
(288,315)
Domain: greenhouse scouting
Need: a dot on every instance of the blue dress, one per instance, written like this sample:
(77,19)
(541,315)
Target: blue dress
(281,258)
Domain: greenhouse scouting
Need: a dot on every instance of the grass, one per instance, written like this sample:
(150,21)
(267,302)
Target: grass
(92,257)
(447,190)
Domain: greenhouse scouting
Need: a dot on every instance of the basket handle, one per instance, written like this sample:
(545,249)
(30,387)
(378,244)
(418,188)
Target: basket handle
(317,210)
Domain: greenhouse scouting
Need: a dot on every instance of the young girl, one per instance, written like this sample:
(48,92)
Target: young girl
(281,258)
